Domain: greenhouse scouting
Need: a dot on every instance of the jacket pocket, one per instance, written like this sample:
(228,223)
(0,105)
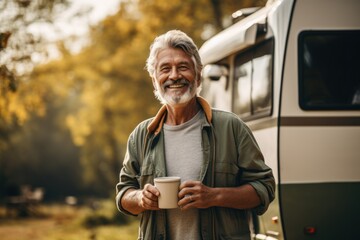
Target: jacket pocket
(226,174)
(146,175)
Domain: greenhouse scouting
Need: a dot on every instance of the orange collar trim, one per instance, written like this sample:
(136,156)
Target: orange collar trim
(158,121)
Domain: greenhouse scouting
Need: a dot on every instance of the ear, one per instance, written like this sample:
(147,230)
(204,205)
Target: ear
(198,81)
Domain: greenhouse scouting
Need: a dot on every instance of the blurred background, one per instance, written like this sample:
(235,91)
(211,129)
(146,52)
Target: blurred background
(72,88)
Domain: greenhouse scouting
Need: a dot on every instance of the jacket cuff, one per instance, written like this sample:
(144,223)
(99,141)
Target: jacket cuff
(264,198)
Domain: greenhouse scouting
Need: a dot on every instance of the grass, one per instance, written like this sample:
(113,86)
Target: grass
(63,222)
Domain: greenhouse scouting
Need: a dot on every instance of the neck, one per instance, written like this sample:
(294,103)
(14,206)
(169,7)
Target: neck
(178,114)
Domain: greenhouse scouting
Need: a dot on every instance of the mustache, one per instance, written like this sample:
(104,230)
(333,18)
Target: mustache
(178,81)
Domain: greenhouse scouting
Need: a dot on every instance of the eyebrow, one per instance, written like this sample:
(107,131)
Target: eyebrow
(179,63)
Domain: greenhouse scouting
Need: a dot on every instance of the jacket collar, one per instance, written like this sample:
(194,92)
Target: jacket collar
(156,124)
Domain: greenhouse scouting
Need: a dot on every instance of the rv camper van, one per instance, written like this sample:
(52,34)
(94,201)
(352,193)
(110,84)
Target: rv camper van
(291,71)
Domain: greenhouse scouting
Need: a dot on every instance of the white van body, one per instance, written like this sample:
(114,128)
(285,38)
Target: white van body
(291,71)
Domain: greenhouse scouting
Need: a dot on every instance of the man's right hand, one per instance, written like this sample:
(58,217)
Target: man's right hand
(137,201)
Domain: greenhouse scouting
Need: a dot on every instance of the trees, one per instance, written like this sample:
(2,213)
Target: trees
(20,50)
(20,96)
(102,92)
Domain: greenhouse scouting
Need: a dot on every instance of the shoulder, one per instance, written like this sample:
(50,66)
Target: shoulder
(141,128)
(222,116)
(225,120)
(139,133)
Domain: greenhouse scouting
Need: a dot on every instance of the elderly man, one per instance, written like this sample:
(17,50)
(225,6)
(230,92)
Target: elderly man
(223,173)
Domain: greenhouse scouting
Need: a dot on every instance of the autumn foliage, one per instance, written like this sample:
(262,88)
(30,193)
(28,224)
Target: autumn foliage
(95,97)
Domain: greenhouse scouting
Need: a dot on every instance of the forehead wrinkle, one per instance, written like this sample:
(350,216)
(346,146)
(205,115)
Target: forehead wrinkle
(173,57)
(168,62)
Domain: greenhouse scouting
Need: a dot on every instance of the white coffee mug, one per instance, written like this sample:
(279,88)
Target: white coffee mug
(169,189)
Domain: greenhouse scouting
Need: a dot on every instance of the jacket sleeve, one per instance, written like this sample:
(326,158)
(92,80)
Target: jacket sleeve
(129,172)
(254,171)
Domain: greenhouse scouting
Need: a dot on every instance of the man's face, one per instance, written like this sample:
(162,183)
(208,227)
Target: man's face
(175,77)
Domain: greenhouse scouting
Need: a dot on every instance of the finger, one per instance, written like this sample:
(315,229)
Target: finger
(152,189)
(186,200)
(189,183)
(150,195)
(188,187)
(149,201)
(151,205)
(184,192)
(189,190)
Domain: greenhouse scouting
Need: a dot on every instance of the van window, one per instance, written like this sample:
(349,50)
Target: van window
(215,86)
(253,80)
(329,70)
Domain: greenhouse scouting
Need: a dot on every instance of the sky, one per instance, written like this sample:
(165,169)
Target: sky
(70,22)
(75,21)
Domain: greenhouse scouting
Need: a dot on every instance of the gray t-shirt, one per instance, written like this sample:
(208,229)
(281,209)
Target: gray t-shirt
(184,158)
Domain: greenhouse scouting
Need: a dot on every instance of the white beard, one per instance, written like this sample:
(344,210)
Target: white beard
(178,97)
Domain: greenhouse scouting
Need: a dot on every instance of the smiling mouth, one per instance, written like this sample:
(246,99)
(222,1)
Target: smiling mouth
(178,85)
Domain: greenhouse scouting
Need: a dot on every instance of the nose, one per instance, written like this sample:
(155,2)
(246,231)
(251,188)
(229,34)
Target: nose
(174,75)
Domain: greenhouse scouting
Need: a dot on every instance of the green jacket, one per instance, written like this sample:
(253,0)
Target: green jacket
(231,158)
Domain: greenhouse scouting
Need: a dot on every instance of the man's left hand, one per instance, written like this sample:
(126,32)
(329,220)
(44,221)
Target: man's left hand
(194,194)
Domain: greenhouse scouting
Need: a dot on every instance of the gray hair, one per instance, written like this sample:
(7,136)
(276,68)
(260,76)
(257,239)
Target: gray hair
(174,39)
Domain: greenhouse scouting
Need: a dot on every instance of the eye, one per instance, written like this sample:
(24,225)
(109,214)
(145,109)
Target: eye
(165,69)
(183,67)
